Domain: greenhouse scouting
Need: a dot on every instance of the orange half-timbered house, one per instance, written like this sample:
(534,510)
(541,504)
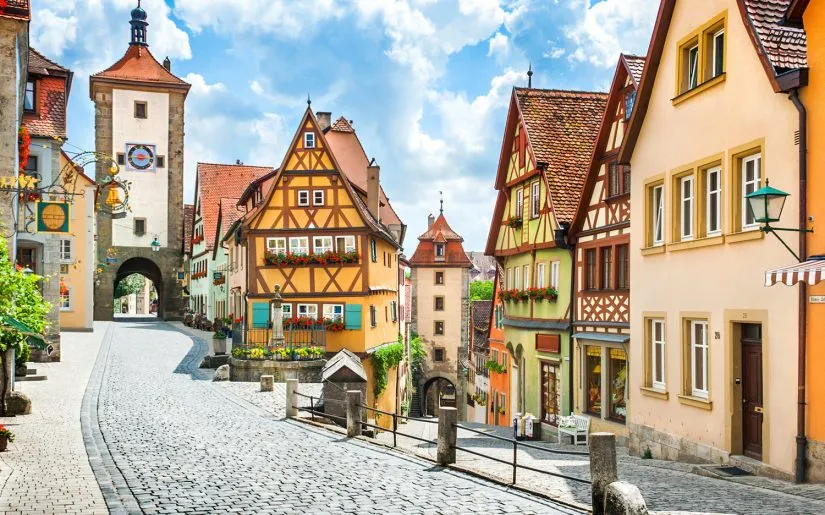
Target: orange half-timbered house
(601,232)
(323,242)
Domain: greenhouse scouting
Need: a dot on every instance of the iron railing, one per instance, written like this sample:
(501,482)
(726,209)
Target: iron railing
(394,430)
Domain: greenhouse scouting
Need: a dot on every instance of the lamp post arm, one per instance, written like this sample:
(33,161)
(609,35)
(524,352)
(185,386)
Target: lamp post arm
(773,230)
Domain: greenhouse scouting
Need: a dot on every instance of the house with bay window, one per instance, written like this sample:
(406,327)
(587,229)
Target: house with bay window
(325,233)
(545,156)
(601,232)
(714,373)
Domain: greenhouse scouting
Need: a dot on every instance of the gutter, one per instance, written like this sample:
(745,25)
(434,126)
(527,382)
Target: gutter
(801,440)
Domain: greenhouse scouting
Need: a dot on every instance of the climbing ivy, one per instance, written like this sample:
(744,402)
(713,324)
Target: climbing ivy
(383,360)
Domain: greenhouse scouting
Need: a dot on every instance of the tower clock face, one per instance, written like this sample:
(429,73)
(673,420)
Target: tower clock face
(140,158)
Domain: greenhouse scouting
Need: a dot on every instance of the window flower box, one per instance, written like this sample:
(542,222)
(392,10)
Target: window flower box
(325,259)
(515,222)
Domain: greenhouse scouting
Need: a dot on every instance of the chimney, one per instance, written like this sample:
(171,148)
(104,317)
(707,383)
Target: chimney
(168,65)
(374,189)
(430,221)
(324,120)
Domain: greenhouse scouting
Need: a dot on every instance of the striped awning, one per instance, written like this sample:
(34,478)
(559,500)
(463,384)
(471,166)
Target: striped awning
(811,272)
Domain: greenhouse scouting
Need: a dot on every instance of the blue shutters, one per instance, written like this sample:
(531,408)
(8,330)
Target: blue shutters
(260,315)
(352,317)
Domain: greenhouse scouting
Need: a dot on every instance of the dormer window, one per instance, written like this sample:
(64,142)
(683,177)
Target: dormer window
(439,251)
(629,102)
(309,140)
(29,99)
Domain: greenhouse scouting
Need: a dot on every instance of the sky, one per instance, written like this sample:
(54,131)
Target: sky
(427,83)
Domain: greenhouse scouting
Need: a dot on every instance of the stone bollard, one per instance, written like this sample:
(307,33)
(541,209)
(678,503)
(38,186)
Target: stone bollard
(602,467)
(291,388)
(622,498)
(267,383)
(354,413)
(447,433)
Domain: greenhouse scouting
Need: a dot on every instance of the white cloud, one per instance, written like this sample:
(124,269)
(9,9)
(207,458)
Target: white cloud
(53,33)
(554,53)
(605,28)
(499,45)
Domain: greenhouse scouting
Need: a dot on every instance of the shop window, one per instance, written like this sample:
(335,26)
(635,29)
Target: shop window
(550,393)
(593,376)
(618,384)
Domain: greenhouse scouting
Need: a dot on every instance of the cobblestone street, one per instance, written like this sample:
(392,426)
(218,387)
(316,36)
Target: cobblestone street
(183,444)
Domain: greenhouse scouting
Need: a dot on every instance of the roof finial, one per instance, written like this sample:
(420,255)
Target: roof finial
(309,100)
(441,193)
(139,25)
(530,76)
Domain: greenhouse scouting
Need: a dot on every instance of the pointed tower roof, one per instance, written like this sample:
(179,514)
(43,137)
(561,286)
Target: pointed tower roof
(440,233)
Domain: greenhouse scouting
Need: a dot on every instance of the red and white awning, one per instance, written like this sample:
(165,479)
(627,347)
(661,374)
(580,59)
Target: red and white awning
(811,272)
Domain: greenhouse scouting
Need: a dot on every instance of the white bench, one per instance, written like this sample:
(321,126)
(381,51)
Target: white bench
(575,426)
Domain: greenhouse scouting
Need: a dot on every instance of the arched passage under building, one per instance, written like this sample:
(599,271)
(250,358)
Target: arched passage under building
(438,392)
(148,269)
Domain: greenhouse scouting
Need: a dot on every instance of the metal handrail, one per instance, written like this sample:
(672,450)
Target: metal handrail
(515,464)
(394,430)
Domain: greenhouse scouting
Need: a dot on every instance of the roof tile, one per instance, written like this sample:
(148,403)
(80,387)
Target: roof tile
(440,232)
(188,221)
(636,65)
(138,64)
(786,47)
(16,9)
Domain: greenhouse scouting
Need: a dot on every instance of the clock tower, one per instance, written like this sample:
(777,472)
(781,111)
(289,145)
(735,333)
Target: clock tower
(139,124)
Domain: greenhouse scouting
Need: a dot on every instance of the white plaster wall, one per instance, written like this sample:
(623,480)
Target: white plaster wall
(149,190)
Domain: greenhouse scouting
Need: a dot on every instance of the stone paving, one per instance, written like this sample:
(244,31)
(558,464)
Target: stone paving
(186,445)
(46,469)
(668,487)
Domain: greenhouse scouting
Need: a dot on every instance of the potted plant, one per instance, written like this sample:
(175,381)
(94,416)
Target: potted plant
(501,411)
(219,342)
(6,436)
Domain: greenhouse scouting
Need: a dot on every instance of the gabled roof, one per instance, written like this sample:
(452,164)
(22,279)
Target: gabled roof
(16,9)
(440,232)
(627,66)
(188,223)
(228,214)
(139,66)
(342,125)
(480,318)
(780,49)
(48,120)
(41,65)
(217,181)
(254,185)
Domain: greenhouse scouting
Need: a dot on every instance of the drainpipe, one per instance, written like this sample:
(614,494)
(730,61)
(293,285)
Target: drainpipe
(801,440)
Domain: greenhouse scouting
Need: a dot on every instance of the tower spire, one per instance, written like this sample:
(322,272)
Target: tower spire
(139,25)
(441,193)
(530,76)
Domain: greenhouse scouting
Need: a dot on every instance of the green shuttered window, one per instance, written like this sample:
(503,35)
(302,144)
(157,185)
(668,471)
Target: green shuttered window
(352,318)
(260,315)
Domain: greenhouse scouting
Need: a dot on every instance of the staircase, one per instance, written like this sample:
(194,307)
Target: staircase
(415,405)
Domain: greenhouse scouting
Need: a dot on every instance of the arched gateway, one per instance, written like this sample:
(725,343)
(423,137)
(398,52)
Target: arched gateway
(139,109)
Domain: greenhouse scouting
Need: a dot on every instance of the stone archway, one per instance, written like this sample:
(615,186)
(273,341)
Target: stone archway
(438,391)
(148,269)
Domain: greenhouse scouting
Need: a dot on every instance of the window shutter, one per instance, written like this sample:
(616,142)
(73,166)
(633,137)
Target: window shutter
(352,317)
(260,315)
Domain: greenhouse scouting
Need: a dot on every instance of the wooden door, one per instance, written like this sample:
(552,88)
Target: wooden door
(752,414)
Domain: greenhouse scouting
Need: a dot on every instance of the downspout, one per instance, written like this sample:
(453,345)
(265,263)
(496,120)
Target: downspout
(801,440)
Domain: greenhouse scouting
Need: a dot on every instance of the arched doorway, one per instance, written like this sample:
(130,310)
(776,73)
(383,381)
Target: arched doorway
(438,392)
(149,270)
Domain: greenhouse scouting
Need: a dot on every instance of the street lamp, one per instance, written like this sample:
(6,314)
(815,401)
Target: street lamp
(156,245)
(27,271)
(766,204)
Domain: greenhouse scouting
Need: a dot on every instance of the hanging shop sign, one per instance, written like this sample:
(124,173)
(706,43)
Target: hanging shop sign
(114,195)
(53,217)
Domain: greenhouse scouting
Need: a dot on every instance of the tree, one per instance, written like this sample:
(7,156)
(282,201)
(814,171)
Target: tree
(21,300)
(481,290)
(129,285)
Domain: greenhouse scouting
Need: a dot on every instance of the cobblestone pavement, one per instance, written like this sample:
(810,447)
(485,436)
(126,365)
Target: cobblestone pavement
(185,444)
(668,487)
(46,469)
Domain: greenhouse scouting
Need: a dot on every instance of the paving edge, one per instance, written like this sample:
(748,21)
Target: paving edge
(116,491)
(458,468)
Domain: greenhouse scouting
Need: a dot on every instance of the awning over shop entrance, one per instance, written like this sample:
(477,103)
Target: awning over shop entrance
(811,272)
(33,339)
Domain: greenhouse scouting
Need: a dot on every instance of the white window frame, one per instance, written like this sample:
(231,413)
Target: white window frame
(517,277)
(286,310)
(68,299)
(299,245)
(308,310)
(321,248)
(334,312)
(508,279)
(318,197)
(440,250)
(693,75)
(394,310)
(277,245)
(519,201)
(715,54)
(753,183)
(303,198)
(686,204)
(541,270)
(527,283)
(535,195)
(349,243)
(657,367)
(66,257)
(712,211)
(702,393)
(658,213)
(555,270)
(309,139)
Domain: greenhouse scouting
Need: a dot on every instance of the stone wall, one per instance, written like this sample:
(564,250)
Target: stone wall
(815,472)
(13,34)
(664,446)
(251,370)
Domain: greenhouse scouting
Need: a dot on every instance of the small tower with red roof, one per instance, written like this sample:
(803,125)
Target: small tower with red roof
(440,316)
(139,111)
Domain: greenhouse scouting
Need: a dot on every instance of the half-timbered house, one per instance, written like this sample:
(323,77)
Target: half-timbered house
(545,156)
(323,241)
(601,232)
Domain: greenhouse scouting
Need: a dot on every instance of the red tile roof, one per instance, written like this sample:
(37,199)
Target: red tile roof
(342,125)
(562,127)
(636,65)
(216,182)
(188,222)
(786,47)
(138,65)
(440,232)
(41,65)
(16,9)
(53,84)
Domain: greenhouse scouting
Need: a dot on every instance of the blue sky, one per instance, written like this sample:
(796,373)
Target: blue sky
(426,82)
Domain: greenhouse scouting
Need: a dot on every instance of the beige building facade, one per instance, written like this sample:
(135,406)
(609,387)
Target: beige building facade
(714,371)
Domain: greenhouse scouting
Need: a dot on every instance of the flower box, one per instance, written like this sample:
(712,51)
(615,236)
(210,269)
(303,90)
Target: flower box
(515,222)
(326,259)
